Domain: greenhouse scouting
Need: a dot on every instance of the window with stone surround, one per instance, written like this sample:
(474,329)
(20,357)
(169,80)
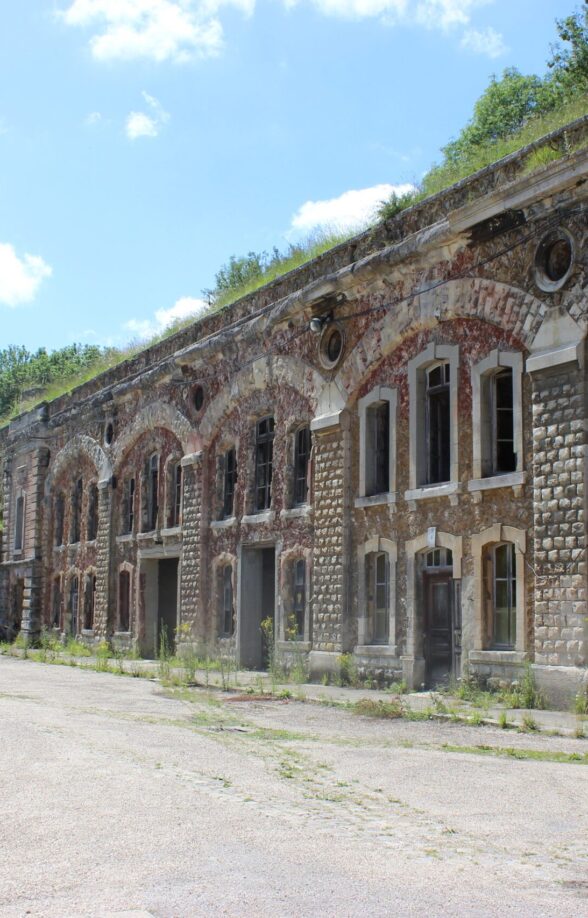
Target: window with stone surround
(264,451)
(174,493)
(76,511)
(497,416)
(92,530)
(128,507)
(499,591)
(124,601)
(225,600)
(377,572)
(73,604)
(59,514)
(89,601)
(228,470)
(150,498)
(377,428)
(302,447)
(433,392)
(56,601)
(502,595)
(19,523)
(377,593)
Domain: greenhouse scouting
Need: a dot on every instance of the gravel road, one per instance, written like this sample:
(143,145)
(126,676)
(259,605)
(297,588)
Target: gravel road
(123,798)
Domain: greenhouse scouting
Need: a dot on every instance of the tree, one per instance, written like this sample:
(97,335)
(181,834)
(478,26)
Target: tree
(569,61)
(501,110)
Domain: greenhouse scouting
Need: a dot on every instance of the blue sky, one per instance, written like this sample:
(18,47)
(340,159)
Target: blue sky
(142,142)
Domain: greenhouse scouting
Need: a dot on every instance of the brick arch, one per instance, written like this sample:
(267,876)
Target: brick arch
(511,308)
(79,445)
(263,373)
(157,414)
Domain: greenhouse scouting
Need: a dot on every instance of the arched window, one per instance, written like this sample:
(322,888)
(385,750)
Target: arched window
(151,493)
(229,473)
(128,507)
(438,423)
(299,598)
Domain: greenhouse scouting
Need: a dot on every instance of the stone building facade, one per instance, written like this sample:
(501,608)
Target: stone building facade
(383,453)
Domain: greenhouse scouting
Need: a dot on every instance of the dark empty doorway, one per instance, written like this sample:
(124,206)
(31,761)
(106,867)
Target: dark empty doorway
(159,577)
(438,636)
(167,605)
(257,606)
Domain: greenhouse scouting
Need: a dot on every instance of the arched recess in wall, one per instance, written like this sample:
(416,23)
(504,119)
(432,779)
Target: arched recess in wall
(79,445)
(512,309)
(156,414)
(263,373)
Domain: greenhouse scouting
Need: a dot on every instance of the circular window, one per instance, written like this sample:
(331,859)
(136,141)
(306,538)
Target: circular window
(198,397)
(554,260)
(109,433)
(331,345)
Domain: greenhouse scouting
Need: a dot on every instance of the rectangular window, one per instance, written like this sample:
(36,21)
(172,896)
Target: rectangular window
(128,507)
(299,605)
(56,604)
(229,482)
(124,600)
(19,524)
(504,597)
(301,459)
(89,601)
(59,515)
(92,513)
(177,508)
(504,456)
(377,449)
(264,450)
(153,493)
(227,600)
(438,424)
(76,511)
(74,595)
(378,593)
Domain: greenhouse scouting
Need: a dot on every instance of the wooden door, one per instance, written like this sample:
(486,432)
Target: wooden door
(438,628)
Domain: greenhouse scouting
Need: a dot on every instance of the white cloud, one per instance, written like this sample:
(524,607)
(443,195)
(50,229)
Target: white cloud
(181,30)
(184,308)
(20,278)
(92,119)
(487,41)
(159,30)
(141,124)
(351,210)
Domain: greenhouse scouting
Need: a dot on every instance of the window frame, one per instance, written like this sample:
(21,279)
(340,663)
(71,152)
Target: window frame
(264,443)
(226,600)
(124,600)
(377,396)
(484,473)
(93,512)
(419,486)
(300,482)
(367,553)
(229,479)
(76,512)
(19,523)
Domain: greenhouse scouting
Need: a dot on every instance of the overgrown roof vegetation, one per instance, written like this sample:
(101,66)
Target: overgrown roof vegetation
(511,113)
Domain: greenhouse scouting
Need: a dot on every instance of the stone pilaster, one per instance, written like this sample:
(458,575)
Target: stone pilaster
(192,582)
(331,553)
(102,620)
(559,472)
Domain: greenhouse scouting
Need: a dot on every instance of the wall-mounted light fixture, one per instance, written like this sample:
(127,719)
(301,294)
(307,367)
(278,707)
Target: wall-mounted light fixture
(317,323)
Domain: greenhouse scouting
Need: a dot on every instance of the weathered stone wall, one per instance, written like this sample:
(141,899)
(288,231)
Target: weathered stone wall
(459,271)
